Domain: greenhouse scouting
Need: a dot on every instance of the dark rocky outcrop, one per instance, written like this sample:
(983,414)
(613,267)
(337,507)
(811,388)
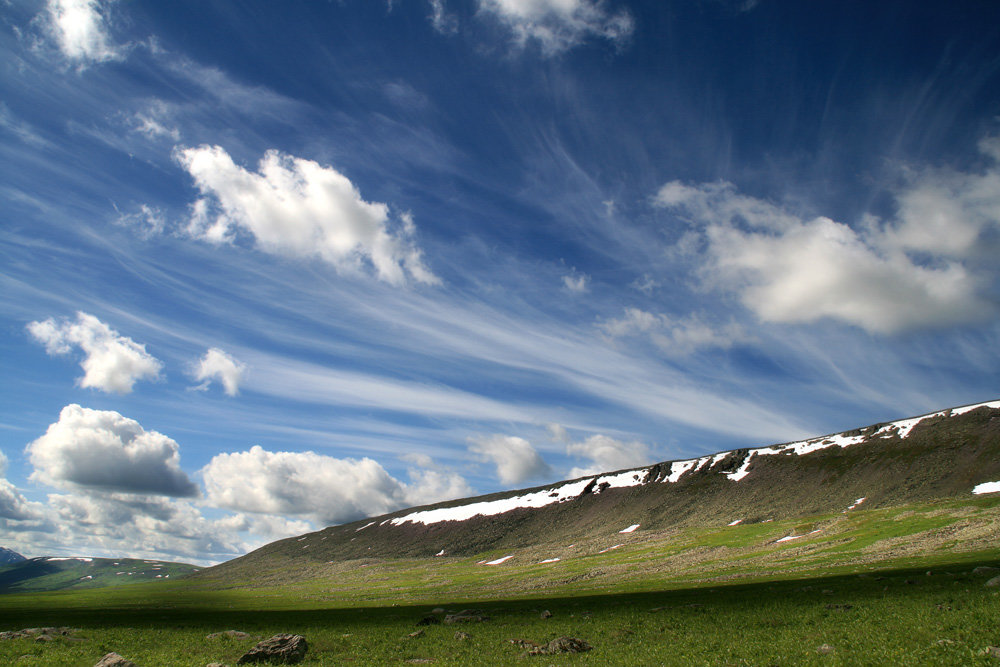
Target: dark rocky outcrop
(284,649)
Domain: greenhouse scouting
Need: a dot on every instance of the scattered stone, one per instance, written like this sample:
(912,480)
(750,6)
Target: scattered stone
(523,643)
(216,664)
(284,648)
(437,610)
(993,583)
(561,645)
(114,660)
(414,635)
(825,649)
(429,620)
(827,591)
(984,570)
(993,651)
(466,616)
(546,614)
(462,636)
(43,638)
(232,634)
(945,642)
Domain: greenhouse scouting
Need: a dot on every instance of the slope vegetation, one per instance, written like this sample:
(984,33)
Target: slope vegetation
(785,496)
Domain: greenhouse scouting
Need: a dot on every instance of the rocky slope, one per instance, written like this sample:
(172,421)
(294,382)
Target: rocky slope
(952,453)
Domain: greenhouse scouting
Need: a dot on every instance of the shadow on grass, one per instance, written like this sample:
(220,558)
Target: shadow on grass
(180,608)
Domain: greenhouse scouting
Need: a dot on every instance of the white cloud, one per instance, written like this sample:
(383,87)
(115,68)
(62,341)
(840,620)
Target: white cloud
(102,450)
(673,336)
(607,454)
(923,269)
(125,525)
(576,282)
(299,208)
(558,25)
(442,21)
(219,366)
(516,460)
(153,122)
(79,27)
(14,506)
(327,489)
(113,363)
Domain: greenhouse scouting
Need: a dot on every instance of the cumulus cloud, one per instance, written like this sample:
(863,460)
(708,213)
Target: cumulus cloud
(219,366)
(298,208)
(104,451)
(79,28)
(924,268)
(326,489)
(607,454)
(515,458)
(673,336)
(113,363)
(13,505)
(126,525)
(558,25)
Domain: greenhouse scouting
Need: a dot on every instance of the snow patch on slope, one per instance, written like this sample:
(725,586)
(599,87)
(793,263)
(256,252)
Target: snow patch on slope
(635,477)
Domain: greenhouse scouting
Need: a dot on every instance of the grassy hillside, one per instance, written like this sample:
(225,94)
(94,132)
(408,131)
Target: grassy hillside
(941,458)
(885,587)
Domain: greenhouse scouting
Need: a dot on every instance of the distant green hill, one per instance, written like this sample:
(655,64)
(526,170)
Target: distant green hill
(51,573)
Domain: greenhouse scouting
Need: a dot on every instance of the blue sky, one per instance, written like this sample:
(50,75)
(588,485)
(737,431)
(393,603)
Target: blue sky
(272,266)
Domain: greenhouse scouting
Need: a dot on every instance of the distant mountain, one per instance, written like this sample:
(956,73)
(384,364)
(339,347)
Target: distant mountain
(7,556)
(50,573)
(947,454)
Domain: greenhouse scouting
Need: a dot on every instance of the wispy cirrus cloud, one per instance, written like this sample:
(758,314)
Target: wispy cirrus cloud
(559,25)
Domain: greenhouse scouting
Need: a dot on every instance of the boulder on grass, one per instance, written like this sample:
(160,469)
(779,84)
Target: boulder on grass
(561,645)
(114,660)
(278,650)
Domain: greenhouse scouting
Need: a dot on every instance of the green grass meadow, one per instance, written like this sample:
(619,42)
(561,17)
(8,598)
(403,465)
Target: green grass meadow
(858,593)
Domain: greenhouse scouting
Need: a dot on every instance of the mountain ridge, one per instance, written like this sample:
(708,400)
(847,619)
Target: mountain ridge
(943,454)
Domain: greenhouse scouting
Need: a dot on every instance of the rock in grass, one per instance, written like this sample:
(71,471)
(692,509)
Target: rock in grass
(546,614)
(984,570)
(216,664)
(993,583)
(114,660)
(280,649)
(561,645)
(825,649)
(429,620)
(462,636)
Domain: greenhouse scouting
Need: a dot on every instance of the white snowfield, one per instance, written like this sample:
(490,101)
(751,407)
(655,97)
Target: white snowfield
(634,477)
(986,487)
(82,560)
(630,529)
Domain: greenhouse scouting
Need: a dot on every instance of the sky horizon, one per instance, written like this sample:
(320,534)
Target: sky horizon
(269,267)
